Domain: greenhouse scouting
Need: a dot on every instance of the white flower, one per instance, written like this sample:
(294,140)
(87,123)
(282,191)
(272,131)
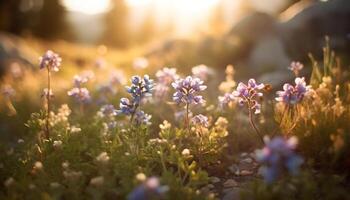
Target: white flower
(185,152)
(57,144)
(103,158)
(97,181)
(141,177)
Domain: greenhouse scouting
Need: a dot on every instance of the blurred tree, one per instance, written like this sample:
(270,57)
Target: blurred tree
(148,27)
(117,31)
(52,22)
(42,18)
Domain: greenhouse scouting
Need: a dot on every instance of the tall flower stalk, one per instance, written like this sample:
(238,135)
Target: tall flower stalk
(139,89)
(249,95)
(51,61)
(186,92)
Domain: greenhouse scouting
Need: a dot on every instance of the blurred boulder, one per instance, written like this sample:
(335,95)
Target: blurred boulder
(14,49)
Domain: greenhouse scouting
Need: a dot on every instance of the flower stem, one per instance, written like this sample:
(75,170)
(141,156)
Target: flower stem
(187,117)
(253,124)
(47,132)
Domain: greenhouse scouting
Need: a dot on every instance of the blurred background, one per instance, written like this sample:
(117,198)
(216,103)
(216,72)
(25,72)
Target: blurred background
(263,36)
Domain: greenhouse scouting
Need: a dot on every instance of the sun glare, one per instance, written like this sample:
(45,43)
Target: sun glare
(90,7)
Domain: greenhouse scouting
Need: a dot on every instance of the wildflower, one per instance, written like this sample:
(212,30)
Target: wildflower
(117,77)
(50,60)
(165,125)
(65,165)
(293,94)
(247,94)
(166,76)
(108,110)
(20,141)
(200,120)
(38,166)
(47,93)
(126,107)
(142,118)
(140,63)
(97,181)
(141,177)
(81,95)
(186,90)
(226,99)
(57,144)
(103,158)
(75,129)
(278,155)
(221,122)
(296,67)
(186,152)
(140,88)
(201,71)
(149,189)
(160,91)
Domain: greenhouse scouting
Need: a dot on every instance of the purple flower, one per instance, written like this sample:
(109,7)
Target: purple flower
(293,94)
(248,94)
(200,120)
(79,80)
(226,99)
(160,91)
(142,118)
(50,60)
(81,95)
(150,189)
(140,88)
(166,76)
(108,110)
(278,156)
(186,90)
(117,77)
(201,71)
(296,67)
(126,107)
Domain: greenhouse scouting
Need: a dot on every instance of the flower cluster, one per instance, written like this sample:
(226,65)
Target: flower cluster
(296,67)
(293,94)
(107,114)
(248,94)
(277,156)
(186,90)
(201,71)
(200,120)
(164,76)
(81,94)
(50,60)
(139,89)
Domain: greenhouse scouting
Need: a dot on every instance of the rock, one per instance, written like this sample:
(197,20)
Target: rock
(214,179)
(230,183)
(234,169)
(247,160)
(246,173)
(244,154)
(210,186)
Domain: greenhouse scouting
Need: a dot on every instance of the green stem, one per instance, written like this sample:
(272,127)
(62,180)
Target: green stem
(47,132)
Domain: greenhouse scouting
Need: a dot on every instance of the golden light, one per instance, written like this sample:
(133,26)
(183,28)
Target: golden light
(89,7)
